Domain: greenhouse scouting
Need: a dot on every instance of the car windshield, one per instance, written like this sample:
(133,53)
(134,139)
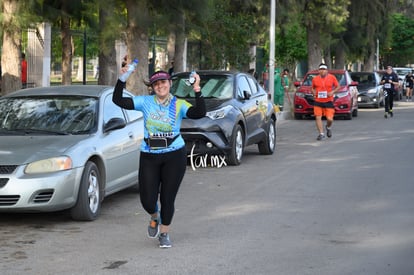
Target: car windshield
(212,86)
(48,115)
(340,77)
(402,71)
(364,80)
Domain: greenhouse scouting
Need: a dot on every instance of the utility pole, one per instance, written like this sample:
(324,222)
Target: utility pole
(272,48)
(377,59)
(84,57)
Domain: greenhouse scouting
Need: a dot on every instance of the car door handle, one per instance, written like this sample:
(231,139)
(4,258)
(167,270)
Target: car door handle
(131,134)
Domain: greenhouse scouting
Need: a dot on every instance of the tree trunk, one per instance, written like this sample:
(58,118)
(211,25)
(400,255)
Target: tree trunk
(180,59)
(369,62)
(107,68)
(10,59)
(138,45)
(107,64)
(340,55)
(66,51)
(327,56)
(171,49)
(314,47)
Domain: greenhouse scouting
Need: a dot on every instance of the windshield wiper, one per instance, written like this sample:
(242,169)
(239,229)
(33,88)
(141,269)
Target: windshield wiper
(38,131)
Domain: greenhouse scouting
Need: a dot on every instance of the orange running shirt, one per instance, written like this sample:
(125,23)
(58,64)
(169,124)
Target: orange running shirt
(323,85)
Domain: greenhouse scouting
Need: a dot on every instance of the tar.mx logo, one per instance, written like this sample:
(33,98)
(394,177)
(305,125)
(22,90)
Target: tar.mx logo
(203,161)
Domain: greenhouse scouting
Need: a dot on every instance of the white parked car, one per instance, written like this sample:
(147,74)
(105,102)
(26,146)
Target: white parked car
(66,147)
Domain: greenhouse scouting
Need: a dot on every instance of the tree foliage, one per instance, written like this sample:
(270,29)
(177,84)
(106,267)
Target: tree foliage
(220,32)
(229,46)
(401,51)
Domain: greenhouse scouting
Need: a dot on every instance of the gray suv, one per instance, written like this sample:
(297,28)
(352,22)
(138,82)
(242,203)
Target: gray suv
(239,114)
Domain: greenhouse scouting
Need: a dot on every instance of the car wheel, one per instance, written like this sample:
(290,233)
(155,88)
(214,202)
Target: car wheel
(88,205)
(268,145)
(237,146)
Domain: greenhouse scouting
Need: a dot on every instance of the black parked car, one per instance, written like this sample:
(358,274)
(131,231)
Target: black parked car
(370,91)
(239,114)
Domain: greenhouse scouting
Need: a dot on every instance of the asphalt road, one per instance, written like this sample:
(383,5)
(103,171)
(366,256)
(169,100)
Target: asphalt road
(341,206)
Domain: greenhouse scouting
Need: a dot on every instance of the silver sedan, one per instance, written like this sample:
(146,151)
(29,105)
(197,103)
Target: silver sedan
(66,147)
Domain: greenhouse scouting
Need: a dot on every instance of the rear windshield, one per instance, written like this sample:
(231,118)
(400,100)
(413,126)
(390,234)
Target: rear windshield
(364,79)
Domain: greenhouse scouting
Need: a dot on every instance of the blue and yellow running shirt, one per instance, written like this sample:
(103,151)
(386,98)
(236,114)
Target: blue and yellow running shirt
(162,121)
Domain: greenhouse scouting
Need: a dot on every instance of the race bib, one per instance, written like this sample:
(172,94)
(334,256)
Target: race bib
(387,85)
(322,94)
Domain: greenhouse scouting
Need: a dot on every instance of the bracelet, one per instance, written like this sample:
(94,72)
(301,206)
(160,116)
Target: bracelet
(197,89)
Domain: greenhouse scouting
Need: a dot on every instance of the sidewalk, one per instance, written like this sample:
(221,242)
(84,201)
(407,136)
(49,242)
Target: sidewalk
(287,112)
(284,115)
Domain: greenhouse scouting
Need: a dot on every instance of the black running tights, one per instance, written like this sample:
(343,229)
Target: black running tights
(161,173)
(388,101)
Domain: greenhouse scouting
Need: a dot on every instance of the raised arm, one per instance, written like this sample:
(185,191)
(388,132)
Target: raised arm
(199,110)
(119,99)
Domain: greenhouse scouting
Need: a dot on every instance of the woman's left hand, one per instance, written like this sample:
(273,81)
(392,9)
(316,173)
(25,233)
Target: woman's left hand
(196,85)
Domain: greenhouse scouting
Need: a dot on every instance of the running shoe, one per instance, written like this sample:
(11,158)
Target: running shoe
(328,132)
(153,229)
(164,240)
(320,137)
(386,115)
(391,114)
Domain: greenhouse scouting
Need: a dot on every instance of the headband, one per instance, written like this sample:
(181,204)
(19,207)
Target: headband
(323,67)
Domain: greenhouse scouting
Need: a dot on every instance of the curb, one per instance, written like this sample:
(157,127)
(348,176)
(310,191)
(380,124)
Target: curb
(284,115)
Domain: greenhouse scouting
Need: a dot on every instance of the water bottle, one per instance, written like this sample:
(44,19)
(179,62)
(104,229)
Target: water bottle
(192,79)
(131,67)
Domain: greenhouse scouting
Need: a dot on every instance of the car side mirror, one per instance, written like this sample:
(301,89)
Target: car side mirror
(354,83)
(296,84)
(114,124)
(246,95)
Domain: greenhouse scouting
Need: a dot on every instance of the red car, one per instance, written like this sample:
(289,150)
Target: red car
(345,101)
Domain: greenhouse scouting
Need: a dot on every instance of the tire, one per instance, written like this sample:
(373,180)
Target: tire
(88,205)
(268,145)
(237,146)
